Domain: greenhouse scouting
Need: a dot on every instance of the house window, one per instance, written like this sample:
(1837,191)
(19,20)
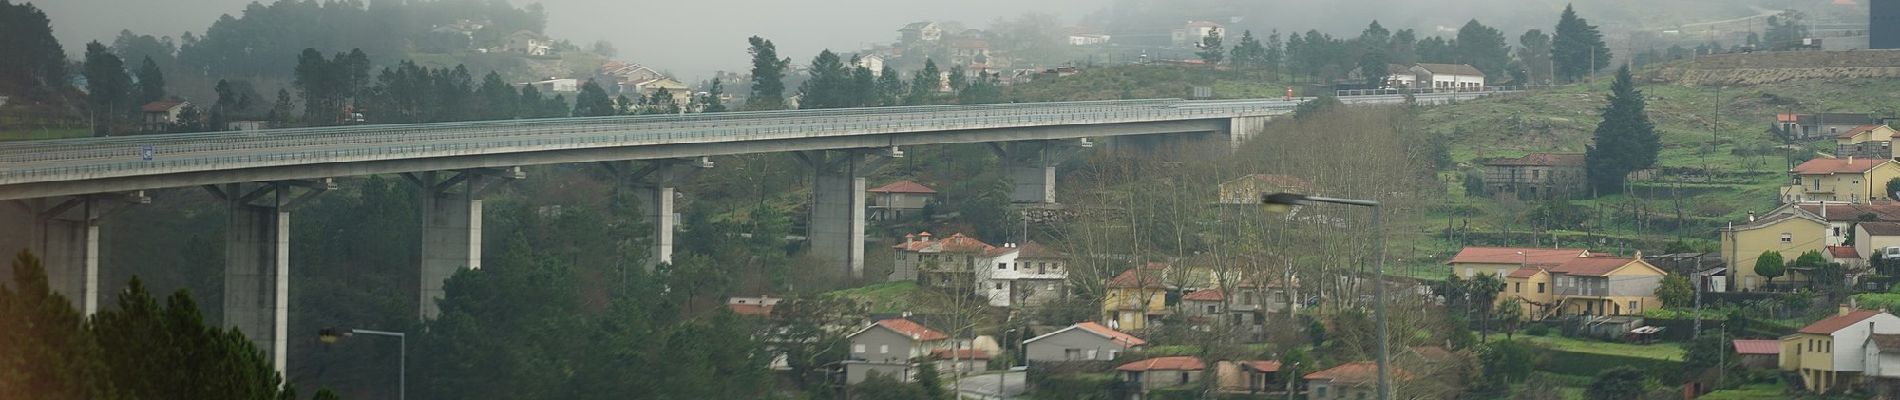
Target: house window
(1540,287)
(857,348)
(1114,353)
(1837,231)
(1050,287)
(1467,272)
(1091,354)
(999,286)
(1002,265)
(1212,309)
(1184,377)
(883,349)
(1635,307)
(1787,238)
(1071,354)
(1517,287)
(1320,392)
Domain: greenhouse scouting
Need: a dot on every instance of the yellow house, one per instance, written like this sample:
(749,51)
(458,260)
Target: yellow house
(1789,234)
(1841,179)
(1135,298)
(1869,141)
(1594,285)
(1501,261)
(1830,353)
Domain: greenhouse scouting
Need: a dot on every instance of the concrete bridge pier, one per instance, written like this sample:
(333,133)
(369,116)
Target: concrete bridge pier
(451,225)
(653,182)
(257,258)
(1242,129)
(836,226)
(64,233)
(1032,166)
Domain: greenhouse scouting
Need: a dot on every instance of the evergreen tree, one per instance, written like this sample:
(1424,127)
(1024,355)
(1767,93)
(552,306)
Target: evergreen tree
(890,87)
(1274,55)
(35,64)
(958,79)
(713,102)
(931,381)
(167,351)
(863,86)
(108,89)
(554,107)
(662,102)
(1577,47)
(1769,265)
(280,111)
(497,98)
(1785,30)
(984,91)
(829,85)
(1375,37)
(592,101)
(1403,47)
(625,106)
(1482,47)
(925,84)
(1212,52)
(1619,383)
(151,86)
(1249,54)
(1533,54)
(530,102)
(46,352)
(768,76)
(1625,141)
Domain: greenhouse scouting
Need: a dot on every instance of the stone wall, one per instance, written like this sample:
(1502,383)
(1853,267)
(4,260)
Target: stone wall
(1742,69)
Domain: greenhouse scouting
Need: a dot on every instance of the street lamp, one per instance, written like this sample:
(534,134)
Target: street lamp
(332,335)
(1002,379)
(1284,202)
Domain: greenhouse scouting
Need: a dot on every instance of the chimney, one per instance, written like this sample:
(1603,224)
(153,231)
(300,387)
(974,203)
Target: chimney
(1844,309)
(923,237)
(910,238)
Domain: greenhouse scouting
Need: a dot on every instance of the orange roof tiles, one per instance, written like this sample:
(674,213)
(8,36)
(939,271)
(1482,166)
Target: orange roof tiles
(1850,165)
(1856,131)
(1171,363)
(1355,372)
(1836,323)
(1525,272)
(1262,366)
(1541,160)
(1113,335)
(1205,295)
(1843,252)
(1769,347)
(1593,266)
(1148,277)
(956,243)
(914,330)
(903,186)
(1509,255)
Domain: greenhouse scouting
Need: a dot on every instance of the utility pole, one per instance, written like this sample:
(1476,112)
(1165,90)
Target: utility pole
(1697,333)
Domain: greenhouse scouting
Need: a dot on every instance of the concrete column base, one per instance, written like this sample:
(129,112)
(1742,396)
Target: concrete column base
(835,230)
(451,227)
(64,234)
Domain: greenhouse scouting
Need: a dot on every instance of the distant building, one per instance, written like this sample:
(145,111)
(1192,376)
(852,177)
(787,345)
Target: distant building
(1191,34)
(947,262)
(1023,275)
(1349,381)
(1088,39)
(681,93)
(159,116)
(1820,125)
(917,32)
(761,305)
(888,347)
(1448,76)
(899,199)
(1400,76)
(1536,175)
(246,125)
(528,42)
(1841,179)
(1865,141)
(556,85)
(1086,341)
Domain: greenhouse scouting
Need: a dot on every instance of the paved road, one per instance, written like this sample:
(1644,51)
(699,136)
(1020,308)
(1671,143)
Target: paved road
(1013,385)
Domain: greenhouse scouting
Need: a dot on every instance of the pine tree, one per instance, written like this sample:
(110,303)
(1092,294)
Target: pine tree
(1625,141)
(662,102)
(497,98)
(1533,53)
(1482,47)
(829,85)
(1577,47)
(924,84)
(151,86)
(863,86)
(35,64)
(625,106)
(108,88)
(592,101)
(768,76)
(958,79)
(713,102)
(1212,52)
(280,111)
(1275,54)
(530,102)
(1249,54)
(46,353)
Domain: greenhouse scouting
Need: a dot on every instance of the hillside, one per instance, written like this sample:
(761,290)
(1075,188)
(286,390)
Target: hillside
(1742,173)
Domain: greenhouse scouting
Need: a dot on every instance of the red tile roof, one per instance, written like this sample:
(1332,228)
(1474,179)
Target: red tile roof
(903,187)
(1205,295)
(1850,165)
(1769,347)
(1843,252)
(961,354)
(914,330)
(1593,266)
(1113,335)
(1525,272)
(1856,131)
(1355,372)
(161,106)
(1509,255)
(1172,363)
(750,309)
(1262,366)
(1540,160)
(1836,323)
(956,243)
(1786,117)
(1148,276)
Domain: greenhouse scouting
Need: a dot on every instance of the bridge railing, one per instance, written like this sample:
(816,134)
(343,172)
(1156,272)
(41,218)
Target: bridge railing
(610,135)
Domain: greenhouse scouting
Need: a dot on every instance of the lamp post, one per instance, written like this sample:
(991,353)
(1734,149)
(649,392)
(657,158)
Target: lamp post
(1002,379)
(332,335)
(1284,202)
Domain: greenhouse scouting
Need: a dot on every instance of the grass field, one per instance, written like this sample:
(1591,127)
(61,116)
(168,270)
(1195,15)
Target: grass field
(1660,351)
(888,297)
(1750,392)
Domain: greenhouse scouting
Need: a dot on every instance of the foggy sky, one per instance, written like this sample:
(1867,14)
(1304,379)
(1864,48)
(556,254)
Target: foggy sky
(693,38)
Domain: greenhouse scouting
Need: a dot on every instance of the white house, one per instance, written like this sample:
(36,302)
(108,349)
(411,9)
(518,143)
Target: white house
(924,31)
(1088,39)
(1086,341)
(1025,274)
(528,42)
(873,62)
(1400,76)
(556,85)
(1448,76)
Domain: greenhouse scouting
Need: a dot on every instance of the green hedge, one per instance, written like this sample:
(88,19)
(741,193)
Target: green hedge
(1589,364)
(1078,386)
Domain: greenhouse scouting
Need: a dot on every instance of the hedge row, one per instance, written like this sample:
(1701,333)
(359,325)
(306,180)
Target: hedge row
(1589,364)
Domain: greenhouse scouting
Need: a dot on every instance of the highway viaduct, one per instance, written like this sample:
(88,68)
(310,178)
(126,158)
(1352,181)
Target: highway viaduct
(61,191)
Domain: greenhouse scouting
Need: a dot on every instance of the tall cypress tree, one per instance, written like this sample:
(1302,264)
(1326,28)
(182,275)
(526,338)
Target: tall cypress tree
(108,88)
(151,85)
(925,84)
(890,87)
(829,84)
(1625,141)
(713,103)
(497,99)
(592,101)
(768,76)
(1577,47)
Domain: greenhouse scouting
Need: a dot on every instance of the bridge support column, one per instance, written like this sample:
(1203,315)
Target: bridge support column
(1242,129)
(64,233)
(257,259)
(836,226)
(1032,166)
(653,184)
(451,226)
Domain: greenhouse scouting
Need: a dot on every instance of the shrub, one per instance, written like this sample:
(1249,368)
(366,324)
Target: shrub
(1537,330)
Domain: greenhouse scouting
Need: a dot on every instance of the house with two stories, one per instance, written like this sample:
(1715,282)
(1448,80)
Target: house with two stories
(527,42)
(1821,125)
(1585,286)
(1350,381)
(1084,341)
(1024,274)
(160,116)
(1832,354)
(1850,179)
(947,262)
(1865,141)
(1136,298)
(891,346)
(1536,175)
(898,200)
(919,32)
(1160,373)
(1501,261)
(1788,232)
